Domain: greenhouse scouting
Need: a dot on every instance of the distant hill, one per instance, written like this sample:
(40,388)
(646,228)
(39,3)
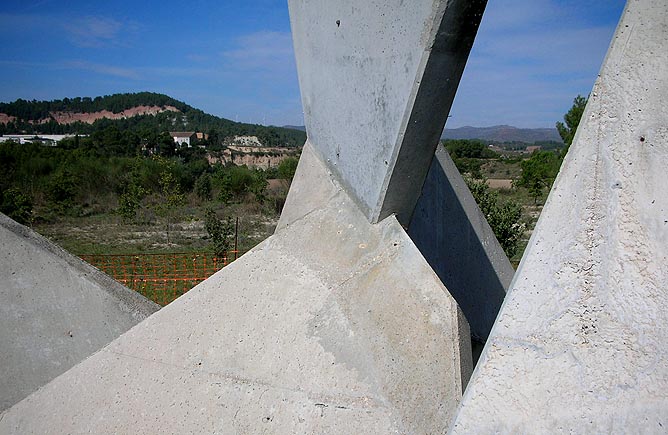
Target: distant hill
(497,133)
(136,112)
(503,133)
(295,127)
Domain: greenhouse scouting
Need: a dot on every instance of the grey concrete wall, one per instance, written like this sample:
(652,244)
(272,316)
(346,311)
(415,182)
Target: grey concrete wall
(454,237)
(330,326)
(55,310)
(581,342)
(377,80)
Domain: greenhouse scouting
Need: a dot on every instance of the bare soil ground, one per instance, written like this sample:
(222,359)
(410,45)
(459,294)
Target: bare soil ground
(106,234)
(499,183)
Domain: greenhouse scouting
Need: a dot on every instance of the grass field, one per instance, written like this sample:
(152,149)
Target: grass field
(107,234)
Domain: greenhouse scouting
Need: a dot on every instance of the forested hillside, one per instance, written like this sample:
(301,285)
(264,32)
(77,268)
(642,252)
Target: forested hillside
(39,117)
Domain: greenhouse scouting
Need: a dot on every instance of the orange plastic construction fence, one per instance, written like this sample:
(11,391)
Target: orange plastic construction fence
(160,277)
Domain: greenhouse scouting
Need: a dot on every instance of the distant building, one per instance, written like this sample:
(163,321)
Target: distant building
(202,136)
(532,148)
(183,137)
(243,141)
(44,139)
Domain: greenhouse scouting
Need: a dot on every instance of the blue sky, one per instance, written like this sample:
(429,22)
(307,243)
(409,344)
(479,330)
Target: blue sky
(233,58)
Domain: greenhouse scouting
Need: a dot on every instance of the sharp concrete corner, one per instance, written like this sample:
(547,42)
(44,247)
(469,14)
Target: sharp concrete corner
(55,311)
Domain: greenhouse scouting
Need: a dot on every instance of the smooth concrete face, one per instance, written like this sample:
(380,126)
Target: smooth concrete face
(453,235)
(581,343)
(377,80)
(332,325)
(55,310)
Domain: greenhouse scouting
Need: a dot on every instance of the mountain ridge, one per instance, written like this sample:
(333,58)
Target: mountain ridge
(495,133)
(136,112)
(503,133)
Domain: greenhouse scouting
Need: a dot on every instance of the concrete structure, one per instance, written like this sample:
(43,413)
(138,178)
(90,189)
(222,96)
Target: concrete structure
(338,324)
(332,325)
(55,311)
(454,237)
(371,75)
(581,343)
(335,324)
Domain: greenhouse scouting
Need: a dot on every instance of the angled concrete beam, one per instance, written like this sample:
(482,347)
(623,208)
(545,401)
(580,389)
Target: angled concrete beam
(581,342)
(55,311)
(332,326)
(453,235)
(377,81)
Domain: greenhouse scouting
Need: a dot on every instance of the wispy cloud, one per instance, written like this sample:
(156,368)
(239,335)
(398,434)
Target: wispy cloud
(95,31)
(80,65)
(90,31)
(110,70)
(267,51)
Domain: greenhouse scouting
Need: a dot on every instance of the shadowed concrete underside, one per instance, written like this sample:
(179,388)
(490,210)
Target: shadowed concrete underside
(55,310)
(454,237)
(581,342)
(332,325)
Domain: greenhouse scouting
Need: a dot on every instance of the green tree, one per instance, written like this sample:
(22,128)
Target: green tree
(61,189)
(504,219)
(287,168)
(203,187)
(572,120)
(17,205)
(539,172)
(220,232)
(129,201)
(237,181)
(170,192)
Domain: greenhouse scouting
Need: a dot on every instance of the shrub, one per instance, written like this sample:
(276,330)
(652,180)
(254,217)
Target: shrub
(17,205)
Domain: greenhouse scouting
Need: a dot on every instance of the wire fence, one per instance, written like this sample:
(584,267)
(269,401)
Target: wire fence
(161,277)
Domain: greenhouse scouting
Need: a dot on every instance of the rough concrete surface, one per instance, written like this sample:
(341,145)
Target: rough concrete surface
(332,325)
(371,76)
(55,310)
(451,232)
(581,342)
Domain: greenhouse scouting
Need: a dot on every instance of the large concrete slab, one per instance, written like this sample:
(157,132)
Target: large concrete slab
(455,238)
(377,80)
(332,325)
(55,310)
(581,343)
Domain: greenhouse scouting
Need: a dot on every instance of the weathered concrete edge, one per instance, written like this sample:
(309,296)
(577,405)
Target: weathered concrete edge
(531,245)
(441,67)
(129,300)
